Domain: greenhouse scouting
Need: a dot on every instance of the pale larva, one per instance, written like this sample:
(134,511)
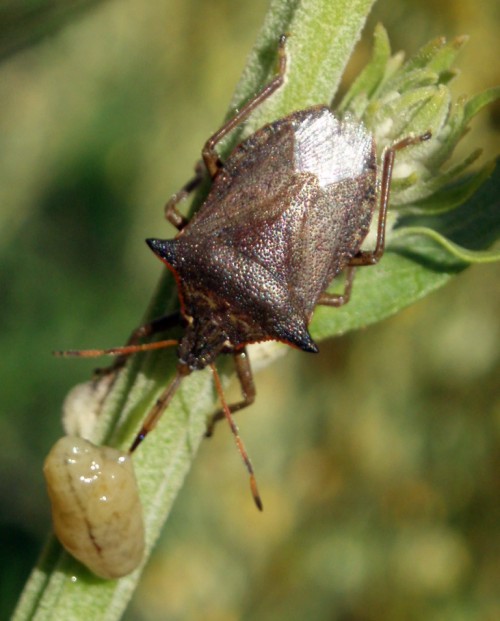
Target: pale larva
(96,509)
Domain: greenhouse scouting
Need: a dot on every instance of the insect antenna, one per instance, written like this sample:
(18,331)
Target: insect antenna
(126,350)
(239,441)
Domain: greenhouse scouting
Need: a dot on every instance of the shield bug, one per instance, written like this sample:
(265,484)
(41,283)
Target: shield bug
(96,510)
(286,213)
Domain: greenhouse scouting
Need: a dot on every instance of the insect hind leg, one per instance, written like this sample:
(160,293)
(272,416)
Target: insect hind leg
(371,257)
(245,377)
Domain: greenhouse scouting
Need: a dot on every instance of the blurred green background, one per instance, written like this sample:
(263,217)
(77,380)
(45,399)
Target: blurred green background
(378,460)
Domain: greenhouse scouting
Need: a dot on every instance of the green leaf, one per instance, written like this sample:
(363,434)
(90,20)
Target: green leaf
(448,191)
(369,81)
(458,236)
(437,57)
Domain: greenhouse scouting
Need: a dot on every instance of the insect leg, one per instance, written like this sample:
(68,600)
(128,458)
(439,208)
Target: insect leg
(245,377)
(339,299)
(132,345)
(210,156)
(239,442)
(159,407)
(371,257)
(172,214)
(160,324)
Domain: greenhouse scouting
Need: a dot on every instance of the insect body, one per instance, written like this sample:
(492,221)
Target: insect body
(286,213)
(96,509)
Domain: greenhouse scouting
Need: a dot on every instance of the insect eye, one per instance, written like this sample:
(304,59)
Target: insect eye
(96,509)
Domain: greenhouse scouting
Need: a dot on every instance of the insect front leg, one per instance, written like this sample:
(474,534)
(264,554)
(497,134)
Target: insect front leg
(160,406)
(132,346)
(245,377)
(160,324)
(210,155)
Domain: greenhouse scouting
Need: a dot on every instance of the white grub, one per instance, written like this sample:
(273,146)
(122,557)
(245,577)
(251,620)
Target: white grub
(96,509)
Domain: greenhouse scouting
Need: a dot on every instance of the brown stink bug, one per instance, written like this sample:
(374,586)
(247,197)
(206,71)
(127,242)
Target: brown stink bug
(286,213)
